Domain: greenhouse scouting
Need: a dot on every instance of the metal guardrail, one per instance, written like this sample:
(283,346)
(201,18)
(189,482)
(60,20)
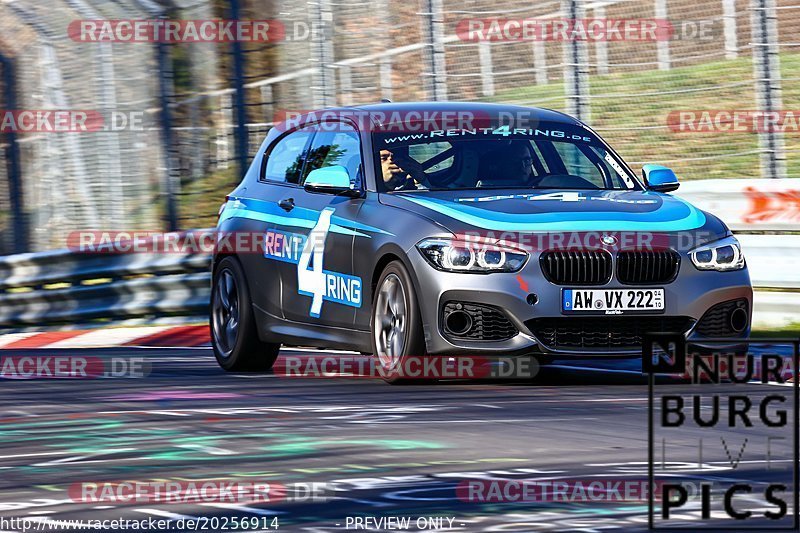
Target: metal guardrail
(773,260)
(775,309)
(64,286)
(774,264)
(765,215)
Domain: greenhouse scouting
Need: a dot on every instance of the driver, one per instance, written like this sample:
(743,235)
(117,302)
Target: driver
(510,165)
(401,172)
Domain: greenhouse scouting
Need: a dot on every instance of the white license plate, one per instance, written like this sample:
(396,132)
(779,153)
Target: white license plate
(612,301)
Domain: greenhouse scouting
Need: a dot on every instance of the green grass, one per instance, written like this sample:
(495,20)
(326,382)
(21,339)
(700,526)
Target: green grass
(623,103)
(789,331)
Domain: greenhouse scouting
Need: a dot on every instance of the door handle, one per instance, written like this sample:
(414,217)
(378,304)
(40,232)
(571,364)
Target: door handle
(287,204)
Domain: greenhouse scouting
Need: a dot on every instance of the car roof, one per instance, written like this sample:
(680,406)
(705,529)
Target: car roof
(388,108)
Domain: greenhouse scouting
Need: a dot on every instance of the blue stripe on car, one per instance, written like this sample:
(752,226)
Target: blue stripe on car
(301,217)
(675,217)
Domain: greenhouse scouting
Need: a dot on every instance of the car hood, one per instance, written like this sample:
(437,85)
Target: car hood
(554,210)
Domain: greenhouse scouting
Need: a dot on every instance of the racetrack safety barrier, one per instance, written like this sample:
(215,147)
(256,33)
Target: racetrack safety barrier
(765,216)
(64,287)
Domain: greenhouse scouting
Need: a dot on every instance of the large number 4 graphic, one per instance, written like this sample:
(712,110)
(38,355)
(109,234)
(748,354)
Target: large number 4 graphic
(311,281)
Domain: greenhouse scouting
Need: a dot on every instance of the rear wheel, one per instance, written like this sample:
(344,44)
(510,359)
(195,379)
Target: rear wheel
(234,336)
(396,323)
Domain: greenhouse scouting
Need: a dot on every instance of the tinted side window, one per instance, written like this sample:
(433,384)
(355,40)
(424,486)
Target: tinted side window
(335,144)
(285,159)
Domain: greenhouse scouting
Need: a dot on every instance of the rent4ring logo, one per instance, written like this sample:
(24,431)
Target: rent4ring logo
(308,253)
(723,433)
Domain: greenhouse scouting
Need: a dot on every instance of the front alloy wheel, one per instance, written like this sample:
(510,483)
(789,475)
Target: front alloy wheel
(396,322)
(390,320)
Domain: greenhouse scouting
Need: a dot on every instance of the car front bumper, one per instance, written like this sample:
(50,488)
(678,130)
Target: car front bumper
(689,296)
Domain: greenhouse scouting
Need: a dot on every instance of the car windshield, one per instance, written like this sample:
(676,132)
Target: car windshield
(547,156)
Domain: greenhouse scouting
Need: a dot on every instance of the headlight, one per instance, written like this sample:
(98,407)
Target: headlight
(459,256)
(724,254)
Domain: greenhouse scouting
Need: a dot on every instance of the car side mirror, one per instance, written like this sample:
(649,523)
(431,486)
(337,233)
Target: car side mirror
(660,179)
(331,180)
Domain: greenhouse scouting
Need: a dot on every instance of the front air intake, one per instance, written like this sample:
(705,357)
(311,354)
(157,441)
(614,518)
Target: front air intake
(468,321)
(603,332)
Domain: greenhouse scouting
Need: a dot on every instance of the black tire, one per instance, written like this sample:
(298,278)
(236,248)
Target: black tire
(413,340)
(241,351)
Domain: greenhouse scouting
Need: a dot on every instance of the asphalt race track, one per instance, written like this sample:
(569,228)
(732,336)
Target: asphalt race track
(387,450)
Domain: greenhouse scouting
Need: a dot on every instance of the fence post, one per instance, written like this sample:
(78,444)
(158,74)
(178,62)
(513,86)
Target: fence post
(540,62)
(662,45)
(576,66)
(240,125)
(601,45)
(20,239)
(303,91)
(437,80)
(485,59)
(385,69)
(346,85)
(267,104)
(729,24)
(223,152)
(171,180)
(767,75)
(324,90)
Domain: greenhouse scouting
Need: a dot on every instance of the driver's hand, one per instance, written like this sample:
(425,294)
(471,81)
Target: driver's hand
(411,166)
